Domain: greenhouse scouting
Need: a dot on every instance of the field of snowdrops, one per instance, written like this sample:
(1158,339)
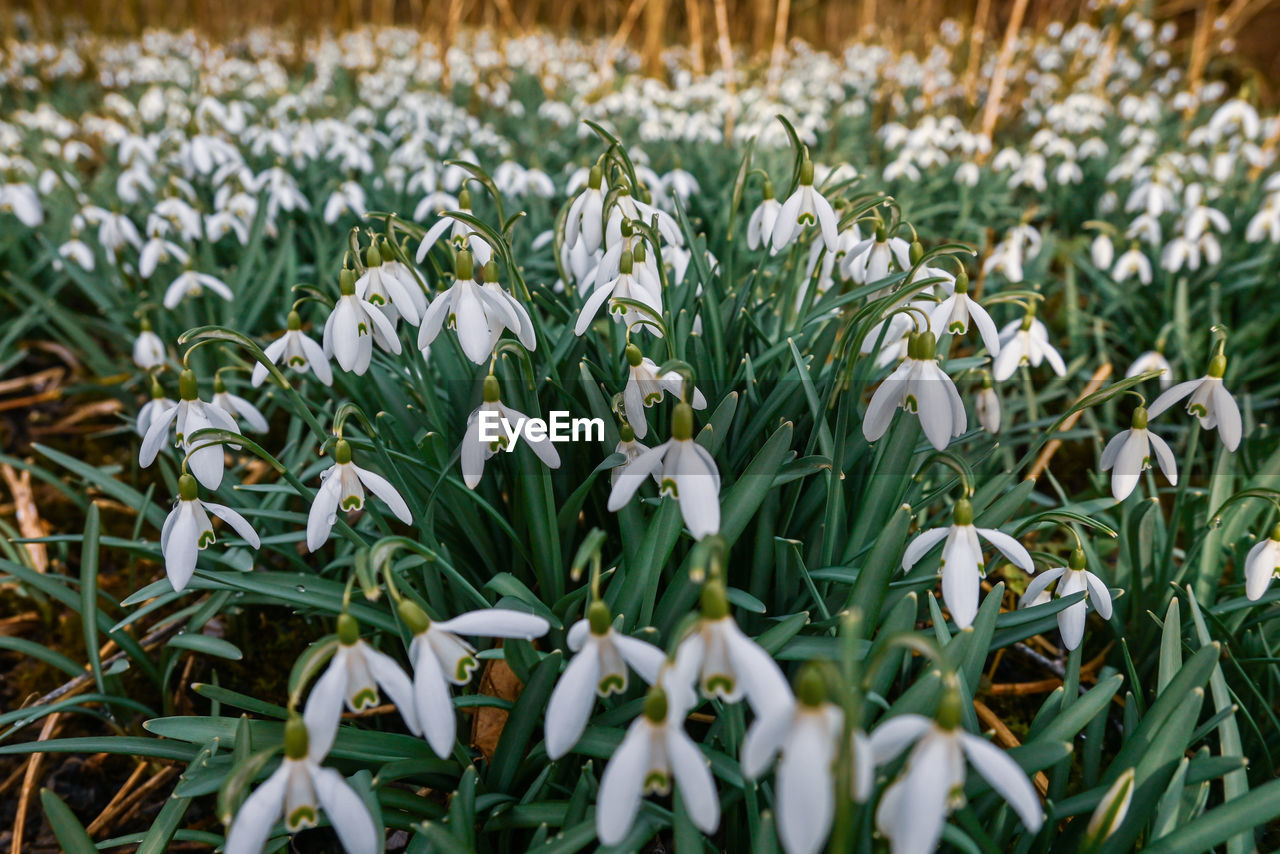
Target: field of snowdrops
(504,451)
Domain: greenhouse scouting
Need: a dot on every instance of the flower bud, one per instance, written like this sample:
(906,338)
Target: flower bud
(768,189)
(950,707)
(916,252)
(599,618)
(348,629)
(464,268)
(296,737)
(341,452)
(373,257)
(219,387)
(414,618)
(626,433)
(1218,366)
(187,489)
(188,388)
(682,422)
(806,172)
(715,600)
(810,689)
(962,282)
(595,178)
(347,282)
(1077,560)
(634,356)
(490,272)
(492,390)
(464,200)
(655,705)
(157,390)
(1139,421)
(295,321)
(962,513)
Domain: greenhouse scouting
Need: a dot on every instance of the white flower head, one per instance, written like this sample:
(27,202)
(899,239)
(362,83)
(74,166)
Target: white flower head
(391,286)
(954,313)
(806,207)
(157,406)
(189,283)
(1209,401)
(352,679)
(688,473)
(921,387)
(1025,342)
(584,222)
(441,658)
(494,415)
(189,416)
(1072,578)
(478,309)
(188,531)
(298,790)
(295,349)
(1130,452)
(1152,360)
(236,406)
(599,667)
(1261,565)
(986,405)
(354,326)
(1133,263)
(342,489)
(763,218)
(913,808)
(655,753)
(630,285)
(461,235)
(645,388)
(148,348)
(963,566)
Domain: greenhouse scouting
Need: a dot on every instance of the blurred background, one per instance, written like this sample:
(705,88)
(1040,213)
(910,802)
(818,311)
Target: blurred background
(1241,34)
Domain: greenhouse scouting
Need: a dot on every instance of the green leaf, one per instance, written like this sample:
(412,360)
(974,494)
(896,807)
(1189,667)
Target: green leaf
(72,836)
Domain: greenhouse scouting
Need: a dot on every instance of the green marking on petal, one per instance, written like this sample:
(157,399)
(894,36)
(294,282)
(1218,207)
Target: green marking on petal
(297,362)
(362,329)
(668,487)
(466,665)
(657,781)
(612,684)
(377,299)
(806,219)
(1198,410)
(352,502)
(653,397)
(303,817)
(207,539)
(364,699)
(956,327)
(719,683)
(910,404)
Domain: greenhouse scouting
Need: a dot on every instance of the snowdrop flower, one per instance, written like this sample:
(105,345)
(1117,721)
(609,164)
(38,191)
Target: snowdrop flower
(21,201)
(191,415)
(76,250)
(1102,252)
(1265,224)
(872,259)
(342,488)
(598,668)
(763,218)
(348,197)
(1071,579)
(1152,360)
(1210,402)
(585,219)
(689,474)
(931,785)
(809,735)
(187,531)
(628,285)
(629,448)
(148,349)
(156,251)
(478,310)
(237,407)
(354,326)
(476,451)
(986,405)
(1261,565)
(153,408)
(461,235)
(728,664)
(655,752)
(391,287)
(1133,263)
(1025,342)
(297,351)
(627,208)
(645,388)
(805,207)
(441,658)
(352,679)
(299,789)
(1129,454)
(962,566)
(953,314)
(921,387)
(897,330)
(189,283)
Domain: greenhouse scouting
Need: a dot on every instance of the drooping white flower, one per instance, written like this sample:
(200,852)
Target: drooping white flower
(493,418)
(1152,360)
(986,405)
(1261,565)
(189,283)
(913,808)
(76,250)
(1129,453)
(921,387)
(689,474)
(462,235)
(763,218)
(631,450)
(352,679)
(873,258)
(1102,251)
(808,733)
(156,251)
(298,790)
(655,753)
(727,663)
(342,489)
(628,208)
(354,326)
(148,348)
(1072,578)
(954,313)
(627,285)
(189,416)
(1025,342)
(1133,262)
(441,658)
(598,668)
(805,207)
(391,287)
(22,201)
(187,531)
(963,566)
(1210,402)
(237,407)
(295,350)
(478,309)
(349,196)
(585,220)
(153,408)
(645,388)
